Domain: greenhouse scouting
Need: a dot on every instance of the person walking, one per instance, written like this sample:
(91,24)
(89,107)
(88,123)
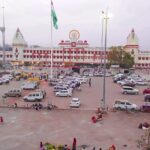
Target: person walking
(90,82)
(1,119)
(74,144)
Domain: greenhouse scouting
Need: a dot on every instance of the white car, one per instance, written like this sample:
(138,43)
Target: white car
(34,97)
(124,104)
(141,83)
(29,86)
(129,90)
(64,93)
(75,102)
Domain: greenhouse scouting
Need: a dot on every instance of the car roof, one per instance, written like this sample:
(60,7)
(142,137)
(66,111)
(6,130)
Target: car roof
(121,101)
(75,98)
(127,87)
(147,95)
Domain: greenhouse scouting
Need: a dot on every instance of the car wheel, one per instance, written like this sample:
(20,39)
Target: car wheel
(124,92)
(119,108)
(17,95)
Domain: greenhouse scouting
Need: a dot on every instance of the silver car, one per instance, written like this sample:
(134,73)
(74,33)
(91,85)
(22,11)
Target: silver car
(129,90)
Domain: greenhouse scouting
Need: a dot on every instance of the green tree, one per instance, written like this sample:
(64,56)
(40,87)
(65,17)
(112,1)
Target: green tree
(128,61)
(117,56)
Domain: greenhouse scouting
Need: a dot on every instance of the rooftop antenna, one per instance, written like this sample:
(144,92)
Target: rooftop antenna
(2,29)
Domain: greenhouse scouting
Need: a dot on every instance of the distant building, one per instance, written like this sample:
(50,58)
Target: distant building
(73,51)
(141,58)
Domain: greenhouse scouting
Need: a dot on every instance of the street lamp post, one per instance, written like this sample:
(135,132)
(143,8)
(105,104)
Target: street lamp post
(2,29)
(105,19)
(102,35)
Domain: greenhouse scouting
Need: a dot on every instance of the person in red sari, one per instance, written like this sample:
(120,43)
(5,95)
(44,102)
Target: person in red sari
(74,144)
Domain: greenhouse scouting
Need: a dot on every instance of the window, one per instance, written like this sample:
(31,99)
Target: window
(132,52)
(128,103)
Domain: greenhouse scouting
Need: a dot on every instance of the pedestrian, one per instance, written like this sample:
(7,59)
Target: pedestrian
(93,148)
(65,147)
(112,147)
(90,82)
(140,126)
(1,119)
(41,146)
(4,99)
(15,105)
(74,144)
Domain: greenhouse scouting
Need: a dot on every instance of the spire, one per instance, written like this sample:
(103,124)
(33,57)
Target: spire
(132,38)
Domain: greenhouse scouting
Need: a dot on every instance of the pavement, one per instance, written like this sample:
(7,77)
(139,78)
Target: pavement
(25,128)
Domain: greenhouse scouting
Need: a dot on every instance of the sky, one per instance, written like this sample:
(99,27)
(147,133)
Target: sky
(33,17)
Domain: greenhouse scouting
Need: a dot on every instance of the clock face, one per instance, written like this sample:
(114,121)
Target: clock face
(74,35)
(73,44)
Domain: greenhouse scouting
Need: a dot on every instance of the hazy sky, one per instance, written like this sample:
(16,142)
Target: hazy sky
(33,19)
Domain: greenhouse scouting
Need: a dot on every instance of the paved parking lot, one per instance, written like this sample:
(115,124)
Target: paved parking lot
(24,129)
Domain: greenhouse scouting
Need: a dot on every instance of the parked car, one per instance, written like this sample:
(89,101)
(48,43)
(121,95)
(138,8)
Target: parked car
(146,91)
(61,88)
(124,104)
(5,80)
(129,90)
(147,98)
(13,93)
(141,83)
(131,84)
(64,93)
(29,86)
(146,107)
(53,82)
(75,102)
(34,97)
(42,91)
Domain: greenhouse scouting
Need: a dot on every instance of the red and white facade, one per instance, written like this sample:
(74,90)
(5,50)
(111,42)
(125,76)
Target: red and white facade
(72,51)
(141,58)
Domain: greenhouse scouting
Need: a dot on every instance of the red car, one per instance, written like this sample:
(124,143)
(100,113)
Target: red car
(146,91)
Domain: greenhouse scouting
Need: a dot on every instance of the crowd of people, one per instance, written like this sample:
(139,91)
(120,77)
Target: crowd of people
(48,146)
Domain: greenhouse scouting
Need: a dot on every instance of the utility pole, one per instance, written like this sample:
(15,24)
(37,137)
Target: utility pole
(105,18)
(2,29)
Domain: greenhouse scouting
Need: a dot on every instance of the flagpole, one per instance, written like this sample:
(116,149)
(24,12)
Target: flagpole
(51,44)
